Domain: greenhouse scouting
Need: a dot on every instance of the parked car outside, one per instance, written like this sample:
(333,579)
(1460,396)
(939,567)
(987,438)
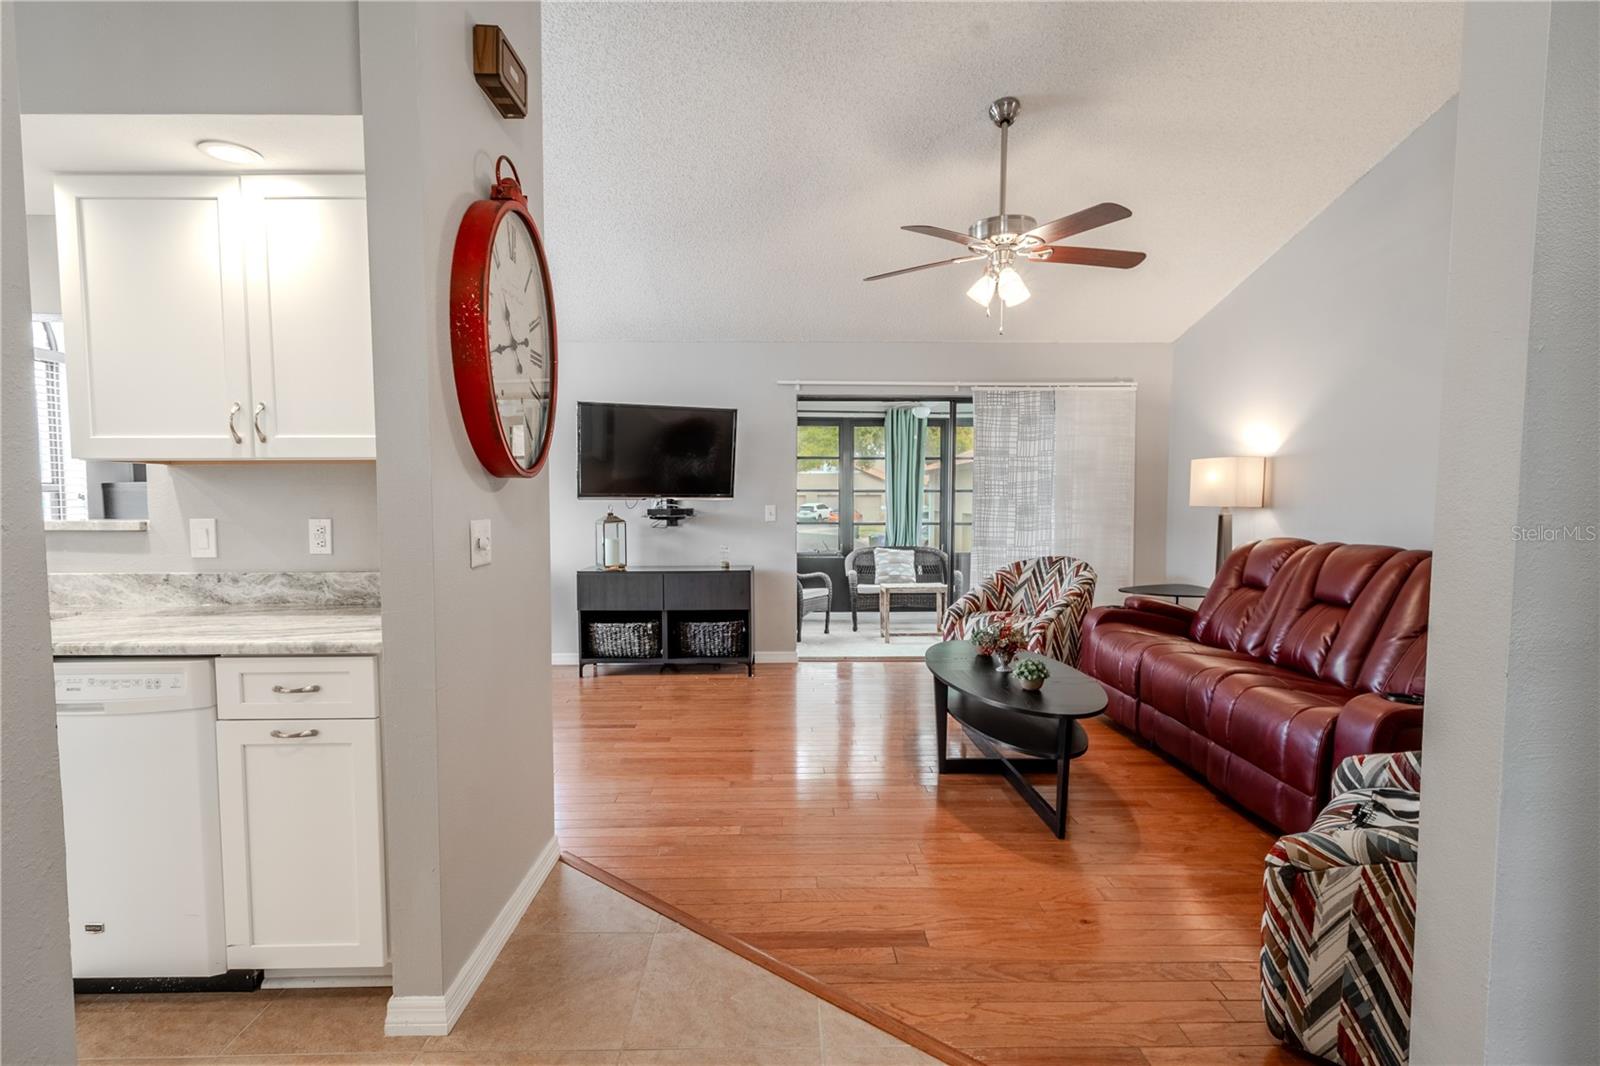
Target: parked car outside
(813,512)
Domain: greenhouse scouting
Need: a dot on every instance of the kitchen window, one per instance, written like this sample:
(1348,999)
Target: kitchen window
(63,480)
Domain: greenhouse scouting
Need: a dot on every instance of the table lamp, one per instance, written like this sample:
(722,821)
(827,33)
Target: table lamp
(1226,482)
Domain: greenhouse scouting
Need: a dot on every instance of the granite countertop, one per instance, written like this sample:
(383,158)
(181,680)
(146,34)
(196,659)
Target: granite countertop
(215,614)
(221,631)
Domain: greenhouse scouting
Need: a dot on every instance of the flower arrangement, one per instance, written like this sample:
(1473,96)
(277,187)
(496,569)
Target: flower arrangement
(1030,674)
(999,640)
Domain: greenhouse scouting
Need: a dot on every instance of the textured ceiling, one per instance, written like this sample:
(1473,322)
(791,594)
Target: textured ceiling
(732,171)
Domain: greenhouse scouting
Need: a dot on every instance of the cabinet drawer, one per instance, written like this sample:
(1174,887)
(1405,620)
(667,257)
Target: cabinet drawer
(711,590)
(618,591)
(309,686)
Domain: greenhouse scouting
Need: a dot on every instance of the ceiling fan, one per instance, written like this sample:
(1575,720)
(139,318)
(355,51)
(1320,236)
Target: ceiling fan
(1003,241)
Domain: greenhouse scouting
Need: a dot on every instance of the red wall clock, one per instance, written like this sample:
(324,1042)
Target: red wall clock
(503,331)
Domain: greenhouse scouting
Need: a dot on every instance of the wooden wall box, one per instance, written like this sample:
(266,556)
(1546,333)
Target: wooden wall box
(500,74)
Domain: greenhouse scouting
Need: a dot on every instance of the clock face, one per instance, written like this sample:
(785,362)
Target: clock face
(519,339)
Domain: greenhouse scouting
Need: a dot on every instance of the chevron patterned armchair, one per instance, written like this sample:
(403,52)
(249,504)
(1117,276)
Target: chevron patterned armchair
(1046,598)
(1340,909)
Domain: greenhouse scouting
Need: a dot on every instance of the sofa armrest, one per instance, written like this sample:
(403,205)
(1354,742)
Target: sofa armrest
(1373,723)
(1151,605)
(1161,623)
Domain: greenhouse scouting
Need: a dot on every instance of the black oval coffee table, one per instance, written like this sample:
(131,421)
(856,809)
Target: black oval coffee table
(994,710)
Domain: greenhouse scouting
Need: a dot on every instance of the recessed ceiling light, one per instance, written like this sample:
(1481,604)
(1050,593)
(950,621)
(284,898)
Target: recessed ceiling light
(229,152)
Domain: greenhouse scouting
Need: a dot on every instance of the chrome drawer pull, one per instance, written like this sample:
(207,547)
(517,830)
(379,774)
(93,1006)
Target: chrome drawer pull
(296,690)
(255,420)
(233,413)
(298,734)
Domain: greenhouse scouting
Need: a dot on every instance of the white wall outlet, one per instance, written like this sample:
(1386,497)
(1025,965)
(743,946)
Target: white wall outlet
(320,531)
(481,542)
(202,538)
(771,513)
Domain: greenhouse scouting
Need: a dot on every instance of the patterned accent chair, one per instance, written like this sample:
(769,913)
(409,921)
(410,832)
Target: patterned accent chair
(1340,910)
(1046,597)
(860,570)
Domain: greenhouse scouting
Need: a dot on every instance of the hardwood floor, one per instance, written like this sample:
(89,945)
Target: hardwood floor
(799,811)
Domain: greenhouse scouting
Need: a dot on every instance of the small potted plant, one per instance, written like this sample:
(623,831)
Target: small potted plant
(1000,641)
(1030,674)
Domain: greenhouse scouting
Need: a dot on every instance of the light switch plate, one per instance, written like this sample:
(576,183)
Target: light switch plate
(320,532)
(480,541)
(202,538)
(771,512)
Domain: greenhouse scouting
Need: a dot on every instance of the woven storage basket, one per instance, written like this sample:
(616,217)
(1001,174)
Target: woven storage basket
(724,640)
(625,640)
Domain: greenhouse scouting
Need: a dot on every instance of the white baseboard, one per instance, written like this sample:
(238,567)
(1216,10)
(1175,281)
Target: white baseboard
(570,658)
(437,1015)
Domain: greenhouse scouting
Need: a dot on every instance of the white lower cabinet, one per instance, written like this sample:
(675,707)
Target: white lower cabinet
(302,842)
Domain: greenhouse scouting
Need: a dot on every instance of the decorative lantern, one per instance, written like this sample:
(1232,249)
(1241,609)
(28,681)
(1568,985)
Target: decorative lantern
(611,543)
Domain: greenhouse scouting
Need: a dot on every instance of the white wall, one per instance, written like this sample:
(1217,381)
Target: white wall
(36,1023)
(1327,358)
(1508,917)
(745,376)
(44,273)
(261,511)
(234,58)
(466,675)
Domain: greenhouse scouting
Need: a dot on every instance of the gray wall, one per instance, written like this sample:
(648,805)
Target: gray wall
(466,675)
(1508,919)
(35,971)
(261,511)
(745,376)
(238,58)
(1332,347)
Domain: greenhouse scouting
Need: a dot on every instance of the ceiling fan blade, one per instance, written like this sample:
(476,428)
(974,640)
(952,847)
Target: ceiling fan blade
(925,266)
(1087,219)
(946,234)
(1095,257)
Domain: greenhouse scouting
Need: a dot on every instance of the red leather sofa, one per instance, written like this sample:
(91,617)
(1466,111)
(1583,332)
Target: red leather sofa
(1286,668)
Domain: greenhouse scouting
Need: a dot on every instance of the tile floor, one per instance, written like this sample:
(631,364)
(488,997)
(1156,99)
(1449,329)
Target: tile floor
(588,977)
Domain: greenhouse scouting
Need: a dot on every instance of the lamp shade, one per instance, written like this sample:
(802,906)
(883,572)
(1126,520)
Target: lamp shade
(1227,481)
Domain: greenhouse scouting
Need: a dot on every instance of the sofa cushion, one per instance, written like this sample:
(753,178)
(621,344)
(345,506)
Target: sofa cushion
(1399,653)
(1113,653)
(1274,724)
(1236,594)
(1174,678)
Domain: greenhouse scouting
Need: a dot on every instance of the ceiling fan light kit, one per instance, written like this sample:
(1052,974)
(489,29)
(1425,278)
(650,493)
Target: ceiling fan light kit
(1003,241)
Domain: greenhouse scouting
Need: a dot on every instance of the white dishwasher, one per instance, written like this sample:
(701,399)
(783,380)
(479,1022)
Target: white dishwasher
(139,792)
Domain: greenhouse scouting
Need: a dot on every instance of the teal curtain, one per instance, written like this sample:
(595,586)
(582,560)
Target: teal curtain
(903,437)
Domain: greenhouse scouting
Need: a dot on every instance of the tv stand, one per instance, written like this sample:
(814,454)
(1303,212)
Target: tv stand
(668,594)
(669,512)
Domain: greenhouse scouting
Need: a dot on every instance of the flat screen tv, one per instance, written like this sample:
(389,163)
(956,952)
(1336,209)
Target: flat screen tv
(628,450)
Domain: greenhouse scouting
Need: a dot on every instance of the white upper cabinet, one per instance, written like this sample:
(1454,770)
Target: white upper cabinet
(310,319)
(216,317)
(152,297)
